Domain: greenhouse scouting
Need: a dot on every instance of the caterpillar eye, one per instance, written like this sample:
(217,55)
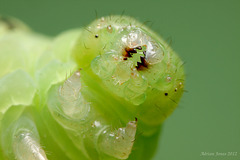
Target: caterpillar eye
(96,35)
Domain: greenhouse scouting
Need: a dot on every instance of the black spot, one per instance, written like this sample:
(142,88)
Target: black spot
(131,50)
(128,51)
(175,89)
(144,52)
(166,94)
(96,36)
(143,64)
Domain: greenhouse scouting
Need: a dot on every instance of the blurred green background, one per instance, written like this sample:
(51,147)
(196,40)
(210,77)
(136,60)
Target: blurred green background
(206,34)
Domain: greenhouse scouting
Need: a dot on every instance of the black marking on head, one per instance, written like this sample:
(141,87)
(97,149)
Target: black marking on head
(143,64)
(128,52)
(96,35)
(144,52)
(139,47)
(131,50)
(175,89)
(166,94)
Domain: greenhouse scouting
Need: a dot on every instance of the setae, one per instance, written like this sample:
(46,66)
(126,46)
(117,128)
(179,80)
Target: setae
(100,92)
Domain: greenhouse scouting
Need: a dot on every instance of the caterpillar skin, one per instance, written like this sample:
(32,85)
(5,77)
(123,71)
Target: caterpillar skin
(96,93)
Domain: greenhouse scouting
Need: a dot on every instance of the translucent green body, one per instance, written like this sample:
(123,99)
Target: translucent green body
(100,92)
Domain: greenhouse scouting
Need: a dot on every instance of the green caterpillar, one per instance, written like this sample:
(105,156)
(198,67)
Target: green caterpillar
(95,93)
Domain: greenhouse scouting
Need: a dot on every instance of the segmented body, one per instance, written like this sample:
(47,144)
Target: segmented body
(100,92)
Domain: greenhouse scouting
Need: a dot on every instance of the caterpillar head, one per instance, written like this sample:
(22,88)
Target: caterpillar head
(133,63)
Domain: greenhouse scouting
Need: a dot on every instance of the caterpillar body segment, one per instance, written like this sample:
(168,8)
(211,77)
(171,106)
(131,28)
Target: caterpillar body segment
(118,144)
(100,92)
(84,124)
(12,86)
(20,136)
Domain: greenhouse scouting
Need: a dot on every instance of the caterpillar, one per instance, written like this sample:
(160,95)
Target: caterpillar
(100,92)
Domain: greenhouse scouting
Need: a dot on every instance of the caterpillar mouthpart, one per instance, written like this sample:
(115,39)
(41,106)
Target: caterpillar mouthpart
(133,63)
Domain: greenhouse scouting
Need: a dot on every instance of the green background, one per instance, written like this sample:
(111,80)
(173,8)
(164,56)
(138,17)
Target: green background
(206,34)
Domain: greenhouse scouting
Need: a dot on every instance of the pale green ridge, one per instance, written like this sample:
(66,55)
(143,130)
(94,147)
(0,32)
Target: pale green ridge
(12,87)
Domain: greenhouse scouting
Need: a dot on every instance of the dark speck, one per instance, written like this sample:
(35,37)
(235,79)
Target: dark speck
(136,119)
